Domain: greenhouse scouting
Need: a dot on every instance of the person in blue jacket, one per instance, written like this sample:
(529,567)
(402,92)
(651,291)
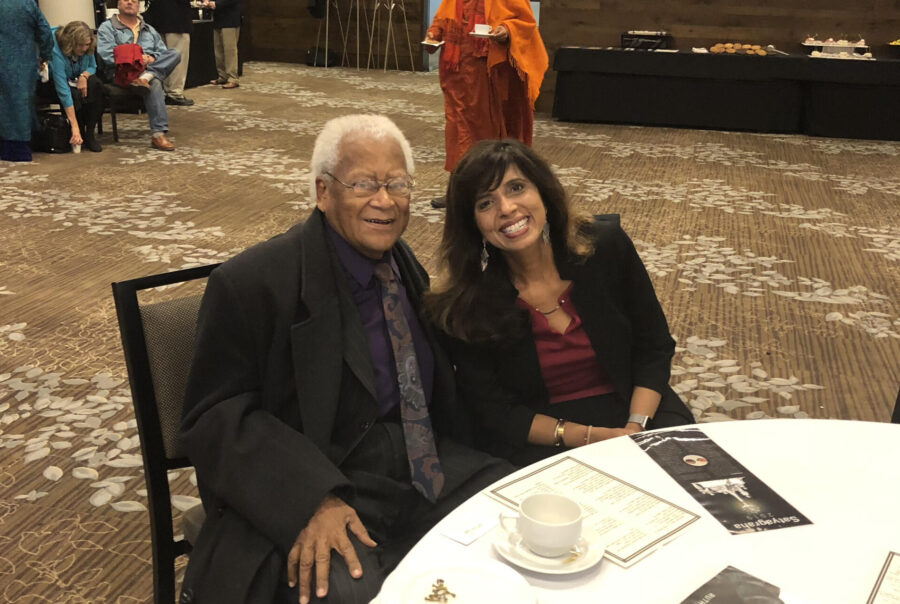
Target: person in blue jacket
(73,78)
(129,28)
(21,26)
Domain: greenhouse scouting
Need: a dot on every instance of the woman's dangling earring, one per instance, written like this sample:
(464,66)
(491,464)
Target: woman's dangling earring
(484,255)
(545,232)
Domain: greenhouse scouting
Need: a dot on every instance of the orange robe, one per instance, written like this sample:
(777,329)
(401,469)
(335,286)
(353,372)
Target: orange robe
(489,88)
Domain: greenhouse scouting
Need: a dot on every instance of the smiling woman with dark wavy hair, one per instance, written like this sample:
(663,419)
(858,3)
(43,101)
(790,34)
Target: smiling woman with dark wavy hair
(558,336)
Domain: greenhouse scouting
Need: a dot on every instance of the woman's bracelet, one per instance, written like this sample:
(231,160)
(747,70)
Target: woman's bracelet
(559,432)
(587,435)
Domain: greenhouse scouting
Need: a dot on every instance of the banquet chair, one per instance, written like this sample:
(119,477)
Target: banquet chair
(895,418)
(158,341)
(117,99)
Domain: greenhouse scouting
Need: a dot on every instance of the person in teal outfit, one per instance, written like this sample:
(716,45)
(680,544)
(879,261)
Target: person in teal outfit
(21,26)
(73,80)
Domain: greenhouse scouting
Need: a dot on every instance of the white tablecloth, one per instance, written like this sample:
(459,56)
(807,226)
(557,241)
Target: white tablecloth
(842,475)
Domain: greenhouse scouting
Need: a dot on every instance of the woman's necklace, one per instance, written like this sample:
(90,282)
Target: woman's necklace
(548,312)
(559,304)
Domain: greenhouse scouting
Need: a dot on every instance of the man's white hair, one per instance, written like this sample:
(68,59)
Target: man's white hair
(325,155)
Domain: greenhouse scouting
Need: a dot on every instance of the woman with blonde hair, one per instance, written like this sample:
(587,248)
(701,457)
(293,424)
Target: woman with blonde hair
(73,70)
(557,335)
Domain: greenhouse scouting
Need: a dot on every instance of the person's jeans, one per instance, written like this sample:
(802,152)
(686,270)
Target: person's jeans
(155,101)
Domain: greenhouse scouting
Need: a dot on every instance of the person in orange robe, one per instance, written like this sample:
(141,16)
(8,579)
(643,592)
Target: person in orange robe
(490,84)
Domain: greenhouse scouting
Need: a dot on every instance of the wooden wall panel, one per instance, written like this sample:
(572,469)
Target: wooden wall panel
(784,23)
(283,30)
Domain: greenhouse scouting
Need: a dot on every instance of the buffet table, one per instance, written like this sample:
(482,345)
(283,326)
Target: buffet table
(776,93)
(841,475)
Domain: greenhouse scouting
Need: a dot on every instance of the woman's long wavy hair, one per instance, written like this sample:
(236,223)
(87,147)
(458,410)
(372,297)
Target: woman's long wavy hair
(74,34)
(469,303)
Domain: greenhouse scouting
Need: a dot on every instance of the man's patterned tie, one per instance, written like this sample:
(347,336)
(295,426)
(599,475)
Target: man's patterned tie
(424,466)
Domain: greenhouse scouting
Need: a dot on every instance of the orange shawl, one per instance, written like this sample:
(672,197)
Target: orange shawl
(525,50)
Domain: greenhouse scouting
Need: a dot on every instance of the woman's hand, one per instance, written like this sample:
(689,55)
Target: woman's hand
(82,86)
(429,48)
(499,34)
(76,135)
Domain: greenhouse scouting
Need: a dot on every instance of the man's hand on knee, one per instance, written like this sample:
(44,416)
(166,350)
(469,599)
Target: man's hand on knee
(326,531)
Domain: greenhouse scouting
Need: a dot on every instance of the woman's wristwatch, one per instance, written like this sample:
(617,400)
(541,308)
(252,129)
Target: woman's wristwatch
(641,420)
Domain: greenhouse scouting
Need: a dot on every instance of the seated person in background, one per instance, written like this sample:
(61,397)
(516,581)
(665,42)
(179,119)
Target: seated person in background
(129,28)
(558,336)
(74,82)
(320,411)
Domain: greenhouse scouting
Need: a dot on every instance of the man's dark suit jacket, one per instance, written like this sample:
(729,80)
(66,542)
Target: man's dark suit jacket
(227,14)
(170,16)
(502,382)
(280,391)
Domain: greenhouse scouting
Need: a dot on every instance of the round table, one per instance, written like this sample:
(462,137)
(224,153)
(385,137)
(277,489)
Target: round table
(842,475)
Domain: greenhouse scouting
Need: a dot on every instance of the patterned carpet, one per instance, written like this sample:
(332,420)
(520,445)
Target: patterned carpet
(776,258)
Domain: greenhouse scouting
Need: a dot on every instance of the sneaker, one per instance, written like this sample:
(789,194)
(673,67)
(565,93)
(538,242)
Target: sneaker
(439,203)
(179,100)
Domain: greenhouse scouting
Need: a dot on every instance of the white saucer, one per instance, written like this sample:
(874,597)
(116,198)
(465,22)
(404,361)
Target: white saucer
(488,581)
(472,33)
(583,556)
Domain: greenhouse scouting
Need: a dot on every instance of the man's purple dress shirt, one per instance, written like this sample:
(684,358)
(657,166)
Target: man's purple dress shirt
(366,291)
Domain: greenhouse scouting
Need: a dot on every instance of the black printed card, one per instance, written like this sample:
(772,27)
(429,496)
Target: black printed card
(731,493)
(733,586)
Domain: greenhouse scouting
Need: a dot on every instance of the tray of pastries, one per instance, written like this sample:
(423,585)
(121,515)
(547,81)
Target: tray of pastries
(738,48)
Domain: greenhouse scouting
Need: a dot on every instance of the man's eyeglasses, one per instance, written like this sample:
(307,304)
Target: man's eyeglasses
(395,187)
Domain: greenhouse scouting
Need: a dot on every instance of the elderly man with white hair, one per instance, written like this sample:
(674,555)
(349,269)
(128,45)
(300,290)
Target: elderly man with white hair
(321,412)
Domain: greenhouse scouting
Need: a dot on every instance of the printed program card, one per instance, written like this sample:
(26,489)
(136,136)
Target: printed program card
(730,492)
(887,587)
(734,586)
(629,521)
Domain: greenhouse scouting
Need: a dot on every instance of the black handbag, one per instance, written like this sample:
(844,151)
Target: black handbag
(52,135)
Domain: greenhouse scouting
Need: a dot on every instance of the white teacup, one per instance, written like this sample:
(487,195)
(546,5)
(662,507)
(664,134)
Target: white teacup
(76,148)
(548,524)
(482,29)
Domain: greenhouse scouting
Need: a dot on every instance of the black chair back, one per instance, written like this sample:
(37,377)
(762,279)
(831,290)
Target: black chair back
(158,341)
(895,418)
